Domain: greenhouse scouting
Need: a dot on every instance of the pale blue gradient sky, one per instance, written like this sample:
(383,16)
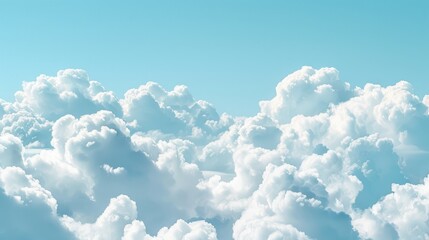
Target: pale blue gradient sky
(231,53)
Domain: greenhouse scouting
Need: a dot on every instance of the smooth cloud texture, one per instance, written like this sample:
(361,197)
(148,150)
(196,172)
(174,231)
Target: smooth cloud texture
(321,160)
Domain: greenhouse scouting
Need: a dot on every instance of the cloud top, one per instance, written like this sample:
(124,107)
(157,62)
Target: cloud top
(321,160)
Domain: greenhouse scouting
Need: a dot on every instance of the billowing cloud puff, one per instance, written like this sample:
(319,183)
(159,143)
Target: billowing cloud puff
(69,92)
(98,159)
(141,105)
(321,160)
(118,221)
(110,224)
(198,230)
(33,130)
(307,91)
(278,213)
(28,210)
(404,213)
(151,108)
(10,151)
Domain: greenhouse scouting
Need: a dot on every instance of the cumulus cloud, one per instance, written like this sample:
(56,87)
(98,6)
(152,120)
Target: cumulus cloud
(321,160)
(10,151)
(152,108)
(276,210)
(69,92)
(28,210)
(110,224)
(34,131)
(307,91)
(402,213)
(118,221)
(198,230)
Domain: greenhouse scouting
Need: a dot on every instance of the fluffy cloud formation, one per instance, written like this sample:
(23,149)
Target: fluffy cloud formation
(321,160)
(69,92)
(306,92)
(118,221)
(151,108)
(402,213)
(28,210)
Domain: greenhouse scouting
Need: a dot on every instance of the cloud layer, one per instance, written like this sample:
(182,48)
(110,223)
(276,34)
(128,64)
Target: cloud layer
(321,160)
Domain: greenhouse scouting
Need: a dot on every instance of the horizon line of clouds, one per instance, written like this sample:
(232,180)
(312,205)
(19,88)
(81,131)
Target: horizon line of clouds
(321,160)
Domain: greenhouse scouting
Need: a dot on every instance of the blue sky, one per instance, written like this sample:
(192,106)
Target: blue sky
(230,53)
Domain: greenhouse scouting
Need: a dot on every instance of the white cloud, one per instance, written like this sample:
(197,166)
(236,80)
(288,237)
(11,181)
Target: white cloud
(4,107)
(34,131)
(276,212)
(118,221)
(376,165)
(28,210)
(69,92)
(111,170)
(135,230)
(110,224)
(403,213)
(172,112)
(307,91)
(199,230)
(317,162)
(10,151)
(24,188)
(98,159)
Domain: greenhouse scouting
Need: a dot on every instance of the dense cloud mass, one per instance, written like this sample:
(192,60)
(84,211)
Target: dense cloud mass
(321,160)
